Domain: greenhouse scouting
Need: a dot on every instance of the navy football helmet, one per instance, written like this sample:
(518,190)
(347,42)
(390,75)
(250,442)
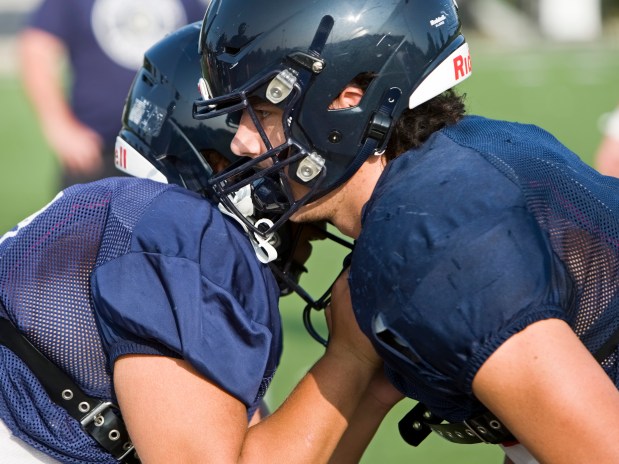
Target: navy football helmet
(300,55)
(159,138)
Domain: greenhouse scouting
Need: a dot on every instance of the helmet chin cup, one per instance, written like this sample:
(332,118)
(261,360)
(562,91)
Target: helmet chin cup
(269,189)
(264,245)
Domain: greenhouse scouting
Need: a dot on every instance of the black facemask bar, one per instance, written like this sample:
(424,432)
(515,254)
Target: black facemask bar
(288,277)
(225,185)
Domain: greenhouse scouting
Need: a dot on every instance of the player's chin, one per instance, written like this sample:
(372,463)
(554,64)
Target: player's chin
(304,214)
(298,216)
(311,211)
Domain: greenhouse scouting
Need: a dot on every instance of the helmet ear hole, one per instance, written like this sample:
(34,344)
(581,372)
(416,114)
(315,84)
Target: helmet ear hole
(352,94)
(363,80)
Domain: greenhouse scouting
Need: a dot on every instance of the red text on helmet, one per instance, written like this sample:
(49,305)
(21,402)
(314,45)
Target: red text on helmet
(462,66)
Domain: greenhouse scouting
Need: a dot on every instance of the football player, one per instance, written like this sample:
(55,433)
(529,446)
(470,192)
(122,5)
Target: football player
(485,269)
(137,317)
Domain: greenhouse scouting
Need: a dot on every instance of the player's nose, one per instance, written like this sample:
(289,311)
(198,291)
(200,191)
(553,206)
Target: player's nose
(247,140)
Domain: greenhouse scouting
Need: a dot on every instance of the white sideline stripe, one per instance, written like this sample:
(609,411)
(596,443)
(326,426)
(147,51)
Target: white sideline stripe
(16,451)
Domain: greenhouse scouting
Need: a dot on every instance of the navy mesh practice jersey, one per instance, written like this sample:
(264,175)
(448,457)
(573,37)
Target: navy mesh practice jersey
(487,228)
(123,266)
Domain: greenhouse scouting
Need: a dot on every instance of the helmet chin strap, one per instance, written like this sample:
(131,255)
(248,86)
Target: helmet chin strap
(265,251)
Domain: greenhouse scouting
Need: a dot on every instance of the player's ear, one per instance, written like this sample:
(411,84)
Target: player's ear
(348,98)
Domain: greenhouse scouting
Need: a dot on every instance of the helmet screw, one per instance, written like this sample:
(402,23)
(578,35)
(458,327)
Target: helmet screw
(335,137)
(276,92)
(317,66)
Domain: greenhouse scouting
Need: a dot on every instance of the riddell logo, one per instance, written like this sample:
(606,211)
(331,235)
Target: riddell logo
(462,66)
(436,22)
(120,157)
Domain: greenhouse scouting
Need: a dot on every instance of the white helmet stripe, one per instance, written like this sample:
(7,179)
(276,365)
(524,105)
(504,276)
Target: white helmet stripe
(129,160)
(453,70)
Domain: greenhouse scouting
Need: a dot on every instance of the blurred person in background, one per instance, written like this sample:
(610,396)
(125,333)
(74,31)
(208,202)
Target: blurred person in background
(78,58)
(607,156)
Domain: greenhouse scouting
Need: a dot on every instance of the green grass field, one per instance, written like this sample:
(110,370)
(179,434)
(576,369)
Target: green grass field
(562,89)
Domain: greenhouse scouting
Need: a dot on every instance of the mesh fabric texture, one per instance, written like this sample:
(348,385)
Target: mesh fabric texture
(45,286)
(578,209)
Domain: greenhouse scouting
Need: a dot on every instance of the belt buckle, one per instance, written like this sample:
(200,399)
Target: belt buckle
(98,409)
(93,415)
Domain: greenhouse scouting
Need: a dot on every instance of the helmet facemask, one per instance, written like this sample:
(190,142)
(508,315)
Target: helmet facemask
(265,180)
(267,177)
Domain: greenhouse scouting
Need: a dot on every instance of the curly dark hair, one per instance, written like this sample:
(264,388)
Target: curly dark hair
(415,126)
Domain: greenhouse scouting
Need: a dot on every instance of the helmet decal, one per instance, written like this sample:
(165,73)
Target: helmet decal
(147,116)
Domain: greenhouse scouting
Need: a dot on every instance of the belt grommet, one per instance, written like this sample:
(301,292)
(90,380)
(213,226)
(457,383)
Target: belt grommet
(83,406)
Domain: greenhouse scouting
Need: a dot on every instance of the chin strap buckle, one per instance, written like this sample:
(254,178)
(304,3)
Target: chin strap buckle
(263,246)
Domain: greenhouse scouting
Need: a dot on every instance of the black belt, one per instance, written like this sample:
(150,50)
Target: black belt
(420,422)
(98,418)
(486,428)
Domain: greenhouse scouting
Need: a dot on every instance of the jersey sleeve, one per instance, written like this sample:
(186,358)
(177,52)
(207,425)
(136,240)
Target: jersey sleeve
(191,289)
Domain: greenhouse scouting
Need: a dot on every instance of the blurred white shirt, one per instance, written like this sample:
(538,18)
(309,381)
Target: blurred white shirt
(16,451)
(519,454)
